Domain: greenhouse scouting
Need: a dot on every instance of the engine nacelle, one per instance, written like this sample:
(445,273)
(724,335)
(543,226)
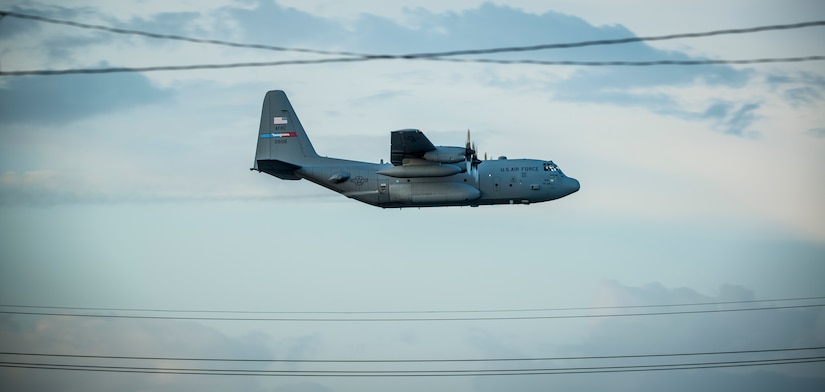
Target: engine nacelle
(446,154)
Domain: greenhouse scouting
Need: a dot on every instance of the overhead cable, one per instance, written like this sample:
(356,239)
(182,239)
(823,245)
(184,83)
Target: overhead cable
(434,56)
(513,310)
(175,37)
(413,373)
(429,54)
(622,40)
(69,71)
(431,360)
(407,319)
(635,63)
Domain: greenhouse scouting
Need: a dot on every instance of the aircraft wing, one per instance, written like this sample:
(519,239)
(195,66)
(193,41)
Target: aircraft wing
(408,143)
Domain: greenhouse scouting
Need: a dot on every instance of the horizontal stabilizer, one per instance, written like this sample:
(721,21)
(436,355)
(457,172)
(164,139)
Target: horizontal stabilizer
(280,169)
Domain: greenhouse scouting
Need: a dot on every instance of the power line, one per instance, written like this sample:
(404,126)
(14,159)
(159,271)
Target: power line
(414,373)
(433,56)
(45,72)
(112,367)
(568,45)
(175,37)
(108,70)
(622,40)
(574,358)
(409,319)
(636,63)
(415,311)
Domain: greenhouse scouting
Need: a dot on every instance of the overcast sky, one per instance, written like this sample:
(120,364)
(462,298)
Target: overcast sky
(700,184)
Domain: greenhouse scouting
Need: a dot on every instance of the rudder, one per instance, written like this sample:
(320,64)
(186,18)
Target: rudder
(283,145)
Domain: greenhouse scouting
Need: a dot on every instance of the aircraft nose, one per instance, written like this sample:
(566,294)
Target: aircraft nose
(573,185)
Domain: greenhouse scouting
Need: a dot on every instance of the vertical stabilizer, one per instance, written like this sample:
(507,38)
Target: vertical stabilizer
(280,136)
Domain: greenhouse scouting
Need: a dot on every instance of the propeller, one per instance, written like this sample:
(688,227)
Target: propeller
(472,160)
(468,151)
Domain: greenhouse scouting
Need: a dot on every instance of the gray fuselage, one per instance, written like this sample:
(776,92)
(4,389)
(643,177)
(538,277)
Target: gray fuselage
(501,181)
(419,174)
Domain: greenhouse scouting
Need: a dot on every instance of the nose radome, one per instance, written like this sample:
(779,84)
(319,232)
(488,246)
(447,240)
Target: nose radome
(573,184)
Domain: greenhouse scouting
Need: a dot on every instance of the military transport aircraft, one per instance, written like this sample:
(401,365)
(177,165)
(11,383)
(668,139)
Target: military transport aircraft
(419,175)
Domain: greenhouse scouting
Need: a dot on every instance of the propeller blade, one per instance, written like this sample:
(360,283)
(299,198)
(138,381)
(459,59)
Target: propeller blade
(472,155)
(467,149)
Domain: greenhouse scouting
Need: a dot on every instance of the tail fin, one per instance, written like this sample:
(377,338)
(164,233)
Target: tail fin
(282,143)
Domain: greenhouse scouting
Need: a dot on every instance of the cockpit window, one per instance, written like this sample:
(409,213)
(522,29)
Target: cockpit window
(550,166)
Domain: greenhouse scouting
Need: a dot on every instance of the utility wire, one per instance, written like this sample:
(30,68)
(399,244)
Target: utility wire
(408,319)
(621,40)
(412,311)
(635,63)
(414,373)
(422,55)
(575,358)
(180,67)
(436,56)
(177,37)
(45,72)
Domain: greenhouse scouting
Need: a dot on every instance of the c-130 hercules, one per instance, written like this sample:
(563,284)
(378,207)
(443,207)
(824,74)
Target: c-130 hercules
(419,175)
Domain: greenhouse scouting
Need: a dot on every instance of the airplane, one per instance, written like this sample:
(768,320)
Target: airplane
(419,174)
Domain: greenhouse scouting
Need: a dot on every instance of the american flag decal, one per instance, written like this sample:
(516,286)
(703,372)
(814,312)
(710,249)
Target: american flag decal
(278,135)
(279,120)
